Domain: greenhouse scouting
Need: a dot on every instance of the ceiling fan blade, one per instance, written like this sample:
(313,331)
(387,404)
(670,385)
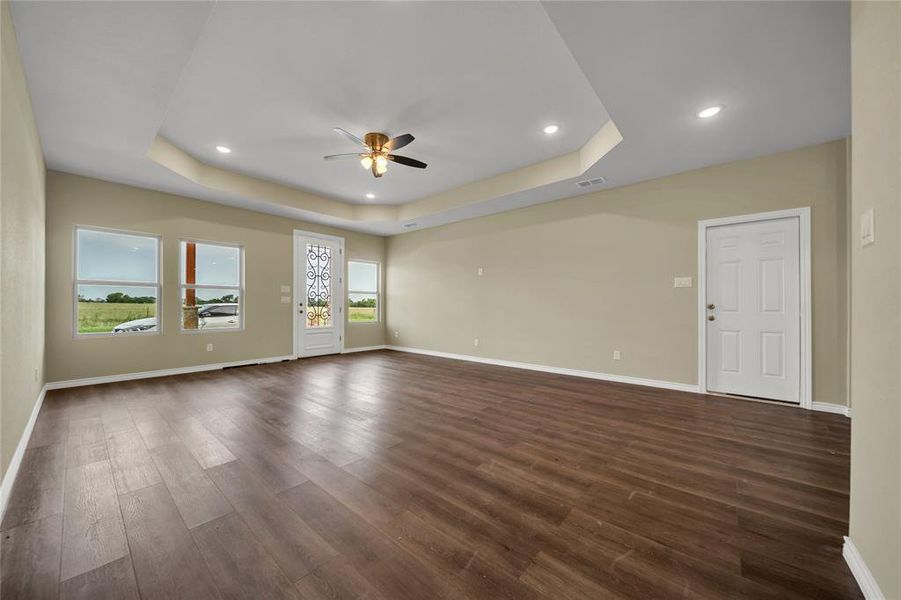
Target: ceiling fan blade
(351,155)
(409,162)
(398,142)
(350,136)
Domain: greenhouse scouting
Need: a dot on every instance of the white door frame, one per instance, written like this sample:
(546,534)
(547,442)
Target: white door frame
(803,216)
(300,289)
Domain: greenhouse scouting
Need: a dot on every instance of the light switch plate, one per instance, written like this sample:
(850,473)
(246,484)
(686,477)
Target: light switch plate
(682,282)
(286,289)
(867,228)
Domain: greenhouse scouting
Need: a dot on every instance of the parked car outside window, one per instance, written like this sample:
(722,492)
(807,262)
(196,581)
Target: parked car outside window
(210,316)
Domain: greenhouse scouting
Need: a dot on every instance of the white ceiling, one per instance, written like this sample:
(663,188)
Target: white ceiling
(783,70)
(474,82)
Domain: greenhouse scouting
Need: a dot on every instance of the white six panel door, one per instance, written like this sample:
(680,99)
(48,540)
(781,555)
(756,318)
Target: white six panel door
(320,307)
(753,298)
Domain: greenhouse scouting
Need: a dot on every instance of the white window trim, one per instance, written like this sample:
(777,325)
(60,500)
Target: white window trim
(378,292)
(182,286)
(114,283)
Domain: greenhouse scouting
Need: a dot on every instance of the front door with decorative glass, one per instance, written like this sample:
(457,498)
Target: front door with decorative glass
(318,294)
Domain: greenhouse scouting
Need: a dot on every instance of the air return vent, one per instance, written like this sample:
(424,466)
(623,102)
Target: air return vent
(591,182)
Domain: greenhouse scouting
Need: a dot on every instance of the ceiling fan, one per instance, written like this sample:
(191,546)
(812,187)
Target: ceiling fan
(377,149)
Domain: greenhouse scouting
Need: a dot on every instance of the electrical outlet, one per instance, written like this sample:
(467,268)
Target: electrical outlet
(617,355)
(286,299)
(209,347)
(480,271)
(682,282)
(286,289)
(475,342)
(396,334)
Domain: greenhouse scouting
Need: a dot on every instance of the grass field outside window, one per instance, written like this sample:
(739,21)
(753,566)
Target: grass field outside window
(101,317)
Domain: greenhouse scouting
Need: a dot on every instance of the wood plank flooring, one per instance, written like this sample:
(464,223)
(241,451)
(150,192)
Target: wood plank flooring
(390,476)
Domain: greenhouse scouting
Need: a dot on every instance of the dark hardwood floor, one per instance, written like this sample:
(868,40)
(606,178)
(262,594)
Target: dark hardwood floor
(389,476)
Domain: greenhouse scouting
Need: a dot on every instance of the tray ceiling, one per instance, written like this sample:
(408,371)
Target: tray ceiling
(142,92)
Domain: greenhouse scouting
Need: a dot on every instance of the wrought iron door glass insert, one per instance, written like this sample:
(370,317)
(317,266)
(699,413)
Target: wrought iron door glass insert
(319,286)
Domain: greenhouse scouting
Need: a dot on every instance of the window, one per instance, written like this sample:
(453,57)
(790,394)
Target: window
(362,291)
(212,287)
(117,282)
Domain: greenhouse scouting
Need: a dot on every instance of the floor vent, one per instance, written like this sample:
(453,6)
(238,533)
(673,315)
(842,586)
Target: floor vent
(591,182)
(229,367)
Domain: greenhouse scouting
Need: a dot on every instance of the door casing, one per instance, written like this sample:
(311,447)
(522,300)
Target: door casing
(300,289)
(806,362)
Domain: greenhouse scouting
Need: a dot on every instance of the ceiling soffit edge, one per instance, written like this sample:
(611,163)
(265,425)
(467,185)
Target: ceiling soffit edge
(560,168)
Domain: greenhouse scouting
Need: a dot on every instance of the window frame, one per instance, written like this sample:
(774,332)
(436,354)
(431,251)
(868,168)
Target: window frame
(113,283)
(242,316)
(378,291)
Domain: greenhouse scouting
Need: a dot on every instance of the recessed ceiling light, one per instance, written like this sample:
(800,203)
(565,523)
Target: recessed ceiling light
(370,195)
(551,129)
(710,111)
(224,149)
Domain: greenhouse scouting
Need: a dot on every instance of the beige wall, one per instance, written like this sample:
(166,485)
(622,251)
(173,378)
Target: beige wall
(268,247)
(21,250)
(567,282)
(875,335)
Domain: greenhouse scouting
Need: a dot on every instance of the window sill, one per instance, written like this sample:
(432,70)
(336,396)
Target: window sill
(123,334)
(215,330)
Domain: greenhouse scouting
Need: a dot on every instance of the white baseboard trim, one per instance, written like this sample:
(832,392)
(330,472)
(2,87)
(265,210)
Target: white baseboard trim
(668,385)
(363,349)
(832,408)
(657,383)
(9,478)
(861,572)
(56,385)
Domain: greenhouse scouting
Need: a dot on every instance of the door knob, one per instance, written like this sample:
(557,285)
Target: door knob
(711,306)
(711,318)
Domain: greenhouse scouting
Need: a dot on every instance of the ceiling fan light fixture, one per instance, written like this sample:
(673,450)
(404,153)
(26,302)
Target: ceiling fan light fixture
(379,150)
